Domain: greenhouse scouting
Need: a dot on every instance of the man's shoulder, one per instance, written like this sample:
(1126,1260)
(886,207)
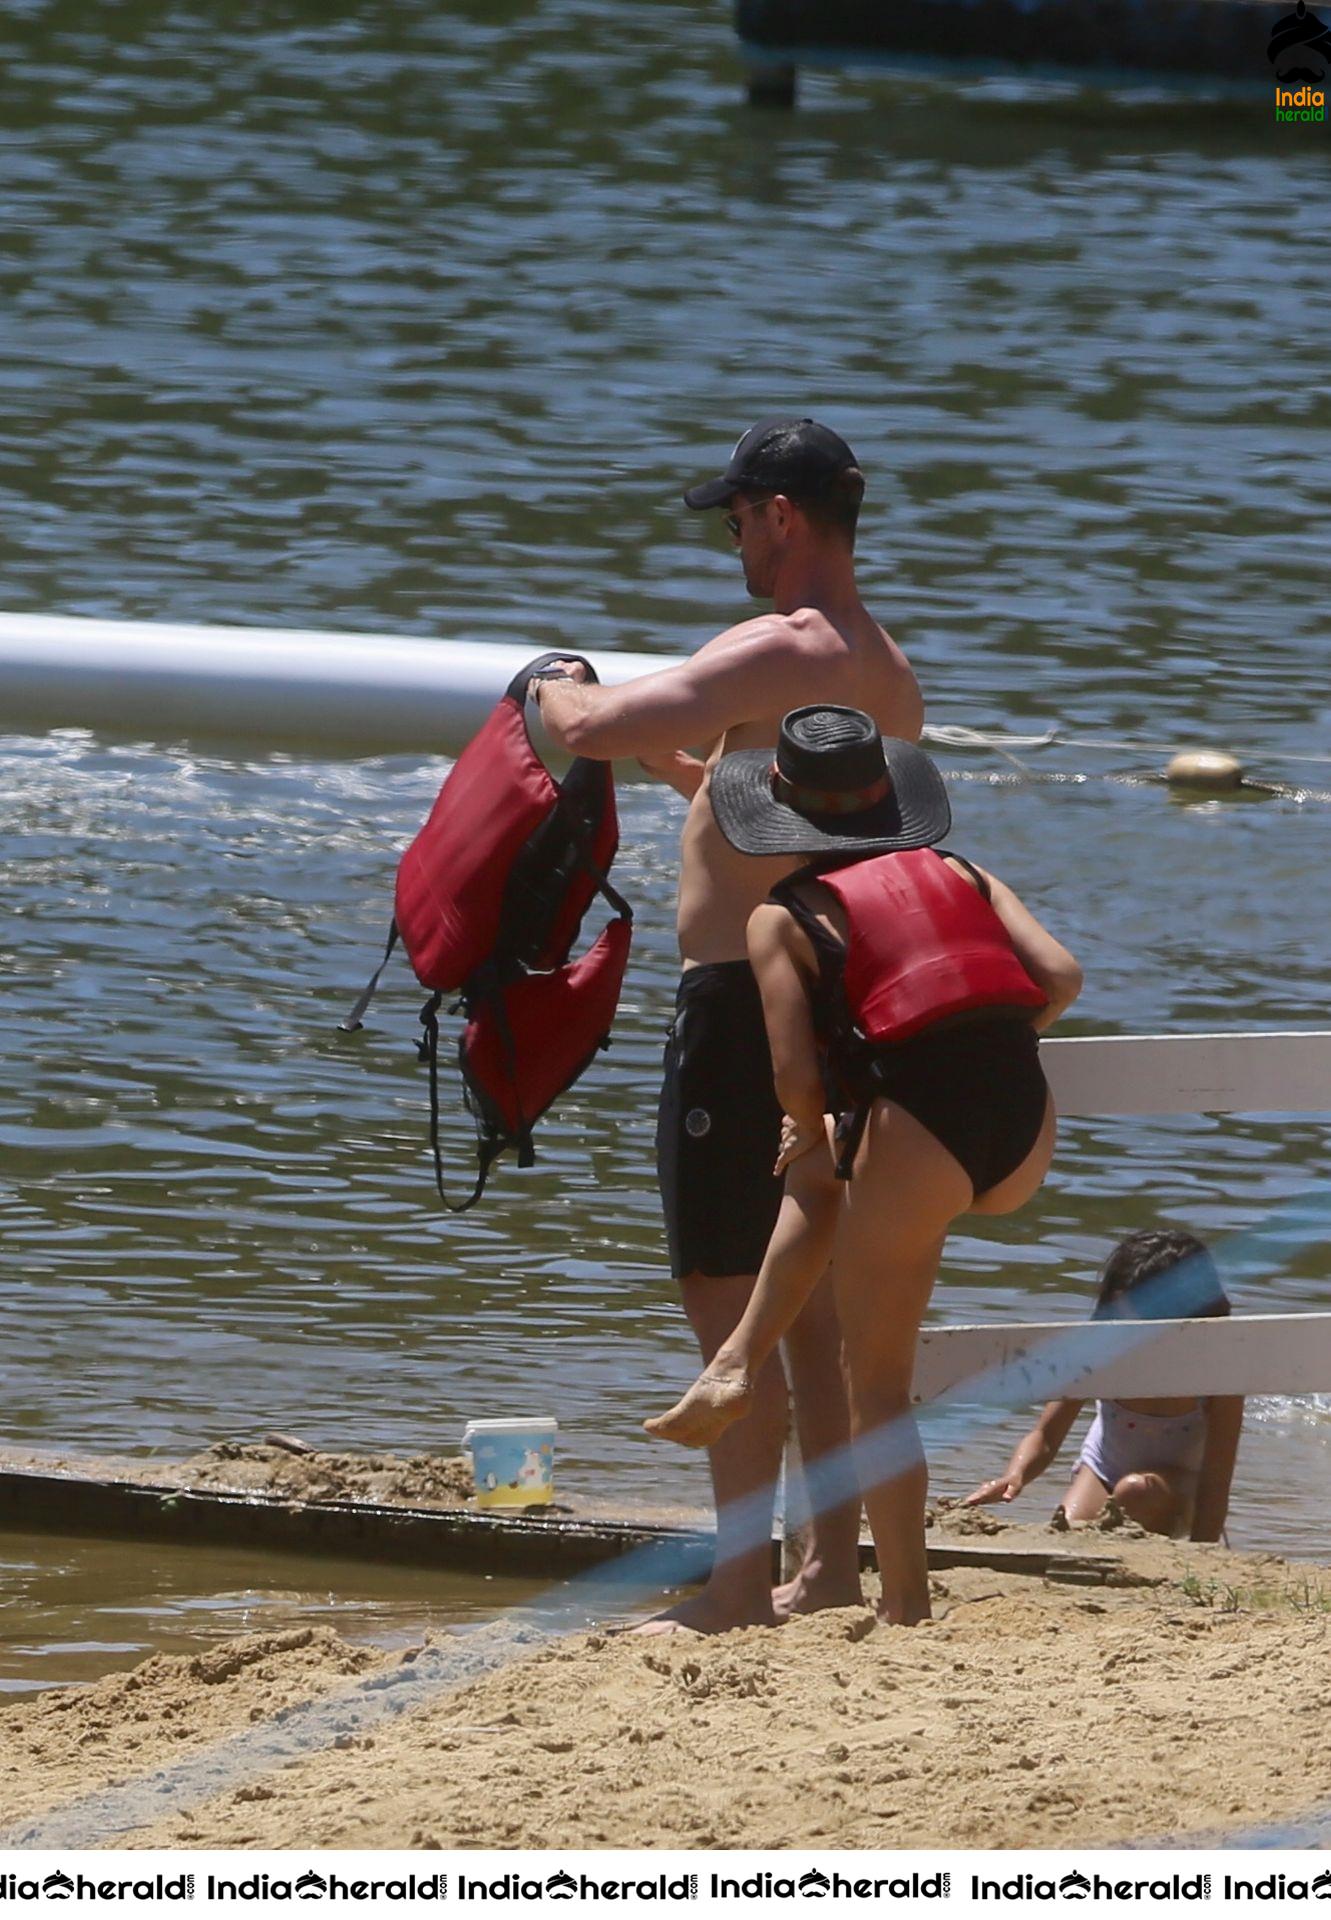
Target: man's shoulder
(805,631)
(809,629)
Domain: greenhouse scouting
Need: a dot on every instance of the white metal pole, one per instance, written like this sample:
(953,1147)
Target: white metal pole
(355,692)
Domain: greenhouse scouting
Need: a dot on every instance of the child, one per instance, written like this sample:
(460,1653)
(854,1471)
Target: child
(1167,1463)
(902,990)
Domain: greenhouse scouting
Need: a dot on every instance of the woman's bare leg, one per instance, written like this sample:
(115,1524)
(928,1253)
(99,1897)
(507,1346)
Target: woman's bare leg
(1158,1498)
(1085,1498)
(830,1573)
(795,1261)
(906,1192)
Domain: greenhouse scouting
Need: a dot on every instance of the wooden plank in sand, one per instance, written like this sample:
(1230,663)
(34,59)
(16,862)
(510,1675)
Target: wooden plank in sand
(535,1545)
(1276,1353)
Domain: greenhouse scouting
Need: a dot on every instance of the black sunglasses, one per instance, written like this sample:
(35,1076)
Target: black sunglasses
(731,521)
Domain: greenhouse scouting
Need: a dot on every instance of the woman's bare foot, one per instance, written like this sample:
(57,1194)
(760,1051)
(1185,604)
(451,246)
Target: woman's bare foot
(707,1409)
(811,1590)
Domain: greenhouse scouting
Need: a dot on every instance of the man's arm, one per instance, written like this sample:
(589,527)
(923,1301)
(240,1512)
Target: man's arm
(762,667)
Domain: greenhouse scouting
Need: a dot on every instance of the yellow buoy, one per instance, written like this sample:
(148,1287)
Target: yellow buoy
(1205,767)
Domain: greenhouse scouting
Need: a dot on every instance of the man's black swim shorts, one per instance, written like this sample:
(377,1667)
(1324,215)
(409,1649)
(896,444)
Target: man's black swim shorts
(719,1126)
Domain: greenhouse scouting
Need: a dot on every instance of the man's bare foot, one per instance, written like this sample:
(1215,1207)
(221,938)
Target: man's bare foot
(703,1613)
(812,1589)
(707,1409)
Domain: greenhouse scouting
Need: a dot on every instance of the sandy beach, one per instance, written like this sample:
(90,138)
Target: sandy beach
(1171,1693)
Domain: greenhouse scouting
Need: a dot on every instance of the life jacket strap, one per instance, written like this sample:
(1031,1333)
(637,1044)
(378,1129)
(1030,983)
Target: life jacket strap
(609,892)
(526,1149)
(354,1020)
(847,1137)
(520,684)
(428,1048)
(604,885)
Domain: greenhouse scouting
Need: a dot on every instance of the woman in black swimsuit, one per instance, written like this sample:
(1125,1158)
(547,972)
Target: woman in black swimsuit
(886,1140)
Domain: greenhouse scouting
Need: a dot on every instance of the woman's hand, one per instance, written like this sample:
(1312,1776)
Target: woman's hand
(1031,1456)
(682,771)
(1006,1487)
(799,1137)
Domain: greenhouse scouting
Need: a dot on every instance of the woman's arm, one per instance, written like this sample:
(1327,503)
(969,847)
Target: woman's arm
(783,964)
(1224,1422)
(1030,1456)
(1049,964)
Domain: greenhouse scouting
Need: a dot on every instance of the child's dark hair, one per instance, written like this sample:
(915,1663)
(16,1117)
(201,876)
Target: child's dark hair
(1160,1274)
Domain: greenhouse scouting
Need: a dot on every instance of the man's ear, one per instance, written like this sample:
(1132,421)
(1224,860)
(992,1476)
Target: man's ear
(785,510)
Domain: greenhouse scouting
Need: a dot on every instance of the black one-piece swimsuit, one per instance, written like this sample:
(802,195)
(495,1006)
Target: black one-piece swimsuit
(974,1081)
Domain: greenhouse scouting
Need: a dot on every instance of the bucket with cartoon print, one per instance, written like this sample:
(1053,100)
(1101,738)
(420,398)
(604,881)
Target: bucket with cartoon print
(513,1461)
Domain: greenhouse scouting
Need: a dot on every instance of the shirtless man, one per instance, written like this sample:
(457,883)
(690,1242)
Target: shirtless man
(791,495)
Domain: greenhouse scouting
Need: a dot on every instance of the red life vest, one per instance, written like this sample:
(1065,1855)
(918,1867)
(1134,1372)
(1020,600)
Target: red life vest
(489,899)
(923,945)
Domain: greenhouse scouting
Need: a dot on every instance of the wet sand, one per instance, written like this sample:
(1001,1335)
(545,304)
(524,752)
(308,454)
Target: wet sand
(1183,1697)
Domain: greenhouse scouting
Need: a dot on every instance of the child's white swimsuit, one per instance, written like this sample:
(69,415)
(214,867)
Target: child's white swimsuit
(1121,1441)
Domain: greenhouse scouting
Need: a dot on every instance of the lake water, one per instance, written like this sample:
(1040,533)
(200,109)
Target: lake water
(419,324)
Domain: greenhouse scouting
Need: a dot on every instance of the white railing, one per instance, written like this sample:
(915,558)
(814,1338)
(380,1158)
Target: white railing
(1191,1073)
(1265,1353)
(1262,1353)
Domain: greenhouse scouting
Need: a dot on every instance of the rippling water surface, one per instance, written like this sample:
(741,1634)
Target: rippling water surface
(419,325)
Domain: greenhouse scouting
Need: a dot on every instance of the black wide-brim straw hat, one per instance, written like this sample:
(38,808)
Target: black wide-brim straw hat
(836,785)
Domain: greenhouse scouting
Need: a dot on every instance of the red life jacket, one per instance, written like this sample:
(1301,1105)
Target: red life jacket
(490,897)
(923,945)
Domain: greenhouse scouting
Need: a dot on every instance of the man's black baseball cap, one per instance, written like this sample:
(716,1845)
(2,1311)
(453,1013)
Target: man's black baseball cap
(799,458)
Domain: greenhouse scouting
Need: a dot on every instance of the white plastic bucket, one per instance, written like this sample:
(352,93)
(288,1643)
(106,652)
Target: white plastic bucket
(513,1461)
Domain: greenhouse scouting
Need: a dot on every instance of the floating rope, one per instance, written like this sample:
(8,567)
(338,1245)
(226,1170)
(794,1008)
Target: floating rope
(1245,790)
(951,735)
(1201,772)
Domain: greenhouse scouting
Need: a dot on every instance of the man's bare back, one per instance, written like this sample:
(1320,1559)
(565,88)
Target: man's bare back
(855,665)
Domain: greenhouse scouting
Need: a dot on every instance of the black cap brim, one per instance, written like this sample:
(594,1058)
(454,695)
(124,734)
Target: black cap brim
(915,814)
(711,493)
